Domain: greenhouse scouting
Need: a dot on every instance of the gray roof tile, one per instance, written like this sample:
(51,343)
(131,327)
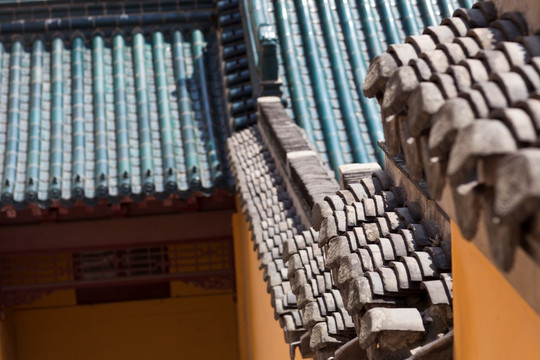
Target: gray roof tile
(490,115)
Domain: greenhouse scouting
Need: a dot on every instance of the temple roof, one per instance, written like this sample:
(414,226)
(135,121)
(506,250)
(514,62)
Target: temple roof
(270,161)
(272,217)
(357,252)
(89,111)
(324,50)
(388,259)
(461,103)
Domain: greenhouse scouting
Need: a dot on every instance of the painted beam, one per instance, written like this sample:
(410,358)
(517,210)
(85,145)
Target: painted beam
(127,232)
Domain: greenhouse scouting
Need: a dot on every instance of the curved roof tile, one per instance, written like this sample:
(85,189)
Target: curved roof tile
(472,121)
(373,248)
(107,116)
(325,48)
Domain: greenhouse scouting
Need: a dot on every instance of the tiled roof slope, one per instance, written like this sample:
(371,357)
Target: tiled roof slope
(37,16)
(388,262)
(270,162)
(328,324)
(109,113)
(324,50)
(272,218)
(461,102)
(374,250)
(232,69)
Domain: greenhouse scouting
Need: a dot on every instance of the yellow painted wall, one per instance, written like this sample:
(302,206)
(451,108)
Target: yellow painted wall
(198,325)
(260,335)
(491,320)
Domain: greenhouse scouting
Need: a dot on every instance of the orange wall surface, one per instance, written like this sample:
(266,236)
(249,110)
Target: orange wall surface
(491,320)
(260,335)
(7,341)
(199,326)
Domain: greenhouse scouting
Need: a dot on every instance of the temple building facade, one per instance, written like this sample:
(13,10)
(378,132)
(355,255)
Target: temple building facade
(269,179)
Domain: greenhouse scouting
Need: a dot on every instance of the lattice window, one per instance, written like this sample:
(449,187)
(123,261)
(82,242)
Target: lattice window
(207,263)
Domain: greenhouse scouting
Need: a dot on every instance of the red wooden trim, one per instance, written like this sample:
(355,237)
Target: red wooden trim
(120,232)
(224,276)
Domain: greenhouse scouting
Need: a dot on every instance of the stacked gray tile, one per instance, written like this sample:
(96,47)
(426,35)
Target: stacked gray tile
(328,324)
(270,162)
(393,275)
(373,283)
(462,102)
(272,219)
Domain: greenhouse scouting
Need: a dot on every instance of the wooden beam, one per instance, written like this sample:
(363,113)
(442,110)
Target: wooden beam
(125,232)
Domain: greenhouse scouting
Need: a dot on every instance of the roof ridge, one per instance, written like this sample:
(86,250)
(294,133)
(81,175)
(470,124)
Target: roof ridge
(466,115)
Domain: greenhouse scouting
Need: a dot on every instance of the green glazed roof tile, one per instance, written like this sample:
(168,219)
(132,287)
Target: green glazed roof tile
(107,116)
(325,48)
